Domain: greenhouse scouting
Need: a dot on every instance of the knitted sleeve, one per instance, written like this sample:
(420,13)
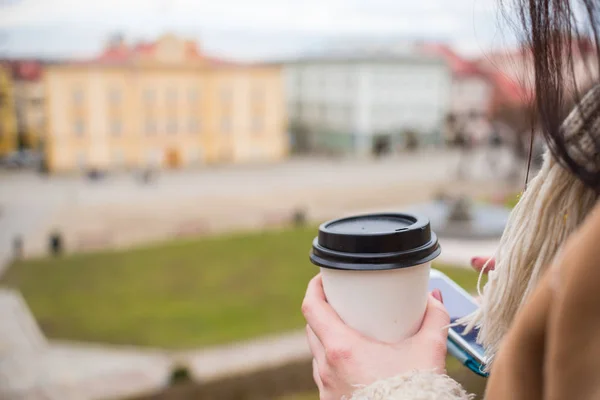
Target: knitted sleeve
(417,385)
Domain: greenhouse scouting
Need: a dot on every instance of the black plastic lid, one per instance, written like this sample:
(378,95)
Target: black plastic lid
(375,242)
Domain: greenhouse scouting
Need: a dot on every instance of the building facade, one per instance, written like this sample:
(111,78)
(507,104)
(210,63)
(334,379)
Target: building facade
(8,119)
(29,103)
(159,105)
(472,93)
(353,104)
(472,89)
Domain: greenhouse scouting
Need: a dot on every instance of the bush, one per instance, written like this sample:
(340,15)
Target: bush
(180,374)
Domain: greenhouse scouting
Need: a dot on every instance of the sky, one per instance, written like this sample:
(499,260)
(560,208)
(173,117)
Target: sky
(247,29)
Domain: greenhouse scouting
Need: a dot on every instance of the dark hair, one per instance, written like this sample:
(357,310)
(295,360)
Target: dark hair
(554,31)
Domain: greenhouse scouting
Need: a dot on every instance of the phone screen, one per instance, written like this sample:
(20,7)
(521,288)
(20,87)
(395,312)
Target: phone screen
(458,305)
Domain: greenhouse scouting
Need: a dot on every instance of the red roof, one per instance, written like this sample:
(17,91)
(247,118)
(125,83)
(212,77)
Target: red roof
(506,89)
(116,54)
(459,66)
(26,70)
(144,48)
(122,53)
(509,90)
(191,49)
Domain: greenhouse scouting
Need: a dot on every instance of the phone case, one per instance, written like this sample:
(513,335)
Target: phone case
(466,359)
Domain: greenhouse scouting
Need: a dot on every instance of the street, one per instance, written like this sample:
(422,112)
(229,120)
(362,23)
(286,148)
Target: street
(120,210)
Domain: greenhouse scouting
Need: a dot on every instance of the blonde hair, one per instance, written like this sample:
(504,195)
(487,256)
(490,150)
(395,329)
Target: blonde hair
(553,206)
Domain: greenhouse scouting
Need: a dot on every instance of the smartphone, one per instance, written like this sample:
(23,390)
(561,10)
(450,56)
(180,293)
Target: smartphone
(459,303)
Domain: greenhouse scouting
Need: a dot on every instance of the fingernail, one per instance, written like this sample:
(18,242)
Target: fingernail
(437,294)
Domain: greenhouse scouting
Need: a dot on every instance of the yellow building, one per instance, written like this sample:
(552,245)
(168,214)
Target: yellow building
(162,105)
(8,119)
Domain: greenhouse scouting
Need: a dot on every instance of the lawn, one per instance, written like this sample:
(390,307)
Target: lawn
(176,295)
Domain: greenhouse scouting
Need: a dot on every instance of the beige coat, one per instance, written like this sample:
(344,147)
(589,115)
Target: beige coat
(552,350)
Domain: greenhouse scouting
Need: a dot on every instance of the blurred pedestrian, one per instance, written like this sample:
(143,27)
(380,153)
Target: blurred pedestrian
(464,143)
(495,147)
(18,247)
(55,245)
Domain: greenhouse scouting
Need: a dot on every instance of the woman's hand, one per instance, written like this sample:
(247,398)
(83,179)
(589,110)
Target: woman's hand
(343,358)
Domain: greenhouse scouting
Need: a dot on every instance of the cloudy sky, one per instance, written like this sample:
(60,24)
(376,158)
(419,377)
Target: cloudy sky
(246,29)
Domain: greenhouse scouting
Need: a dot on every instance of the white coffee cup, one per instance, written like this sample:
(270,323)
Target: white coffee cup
(375,271)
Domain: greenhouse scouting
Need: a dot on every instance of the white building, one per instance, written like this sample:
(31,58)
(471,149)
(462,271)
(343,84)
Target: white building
(349,104)
(472,93)
(472,88)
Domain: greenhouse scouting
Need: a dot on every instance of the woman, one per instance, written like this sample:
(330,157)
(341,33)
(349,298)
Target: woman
(539,317)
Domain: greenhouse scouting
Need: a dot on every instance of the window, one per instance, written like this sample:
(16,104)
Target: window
(225,124)
(118,157)
(149,96)
(323,113)
(36,101)
(257,124)
(193,125)
(329,116)
(311,112)
(150,127)
(115,128)
(81,161)
(40,123)
(79,127)
(172,126)
(193,95)
(298,109)
(347,113)
(114,96)
(172,95)
(350,81)
(154,157)
(226,94)
(324,82)
(78,96)
(258,95)
(194,155)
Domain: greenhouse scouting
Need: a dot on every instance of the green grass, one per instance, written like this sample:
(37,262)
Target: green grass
(176,295)
(302,396)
